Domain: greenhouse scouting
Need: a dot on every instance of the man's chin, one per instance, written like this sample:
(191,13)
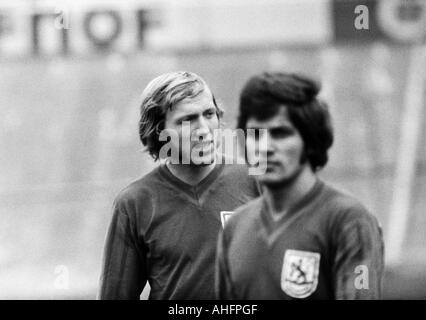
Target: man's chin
(272,180)
(205,159)
(279,180)
(200,164)
(202,161)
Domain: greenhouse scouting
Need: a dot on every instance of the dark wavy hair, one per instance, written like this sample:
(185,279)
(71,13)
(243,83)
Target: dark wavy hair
(159,96)
(264,94)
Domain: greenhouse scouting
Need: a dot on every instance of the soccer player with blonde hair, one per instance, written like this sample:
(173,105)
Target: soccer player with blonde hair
(165,225)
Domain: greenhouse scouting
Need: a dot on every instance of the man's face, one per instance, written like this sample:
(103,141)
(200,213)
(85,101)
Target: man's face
(194,120)
(282,148)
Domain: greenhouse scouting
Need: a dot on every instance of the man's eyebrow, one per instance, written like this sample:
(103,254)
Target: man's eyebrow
(282,127)
(187,116)
(278,127)
(195,114)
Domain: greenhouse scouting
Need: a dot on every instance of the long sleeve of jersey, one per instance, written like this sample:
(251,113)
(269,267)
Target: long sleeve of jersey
(223,285)
(358,261)
(123,274)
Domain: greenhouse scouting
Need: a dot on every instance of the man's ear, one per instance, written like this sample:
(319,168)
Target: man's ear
(159,127)
(219,110)
(214,101)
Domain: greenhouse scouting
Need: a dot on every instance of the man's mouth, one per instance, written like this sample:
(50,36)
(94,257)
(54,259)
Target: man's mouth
(203,144)
(271,165)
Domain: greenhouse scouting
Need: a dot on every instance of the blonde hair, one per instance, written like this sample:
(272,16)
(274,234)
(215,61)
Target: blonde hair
(159,96)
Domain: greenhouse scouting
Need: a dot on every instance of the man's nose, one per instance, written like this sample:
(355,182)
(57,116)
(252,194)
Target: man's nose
(263,144)
(270,144)
(202,128)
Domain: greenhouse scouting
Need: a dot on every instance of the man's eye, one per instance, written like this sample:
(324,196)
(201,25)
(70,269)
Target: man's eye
(210,114)
(188,119)
(256,134)
(281,133)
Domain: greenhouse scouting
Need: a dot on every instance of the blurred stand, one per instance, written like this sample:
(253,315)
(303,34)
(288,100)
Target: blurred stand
(71,76)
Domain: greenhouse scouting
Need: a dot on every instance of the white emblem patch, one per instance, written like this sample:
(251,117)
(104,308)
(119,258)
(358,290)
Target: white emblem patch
(299,276)
(224,216)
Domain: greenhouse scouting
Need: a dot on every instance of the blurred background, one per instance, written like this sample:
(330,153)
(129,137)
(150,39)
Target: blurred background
(71,73)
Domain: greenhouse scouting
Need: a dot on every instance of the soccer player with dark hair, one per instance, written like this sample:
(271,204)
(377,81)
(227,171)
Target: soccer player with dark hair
(165,226)
(302,239)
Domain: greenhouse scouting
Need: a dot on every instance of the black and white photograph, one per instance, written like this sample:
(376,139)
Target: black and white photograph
(213,150)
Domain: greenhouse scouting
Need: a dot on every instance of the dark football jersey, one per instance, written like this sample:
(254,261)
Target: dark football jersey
(327,246)
(165,231)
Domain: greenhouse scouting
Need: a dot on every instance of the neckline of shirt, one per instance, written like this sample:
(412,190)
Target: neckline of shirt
(271,225)
(194,191)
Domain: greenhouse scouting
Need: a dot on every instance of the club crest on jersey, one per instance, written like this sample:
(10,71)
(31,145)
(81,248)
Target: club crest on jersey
(299,276)
(224,216)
